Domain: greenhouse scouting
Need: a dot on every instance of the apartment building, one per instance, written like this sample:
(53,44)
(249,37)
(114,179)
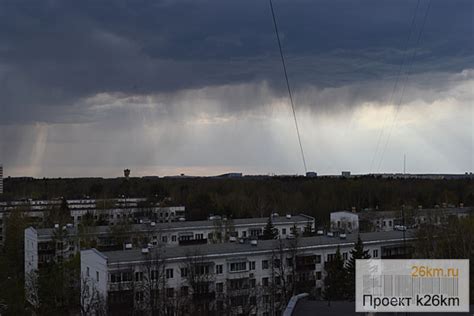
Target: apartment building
(390,220)
(43,245)
(105,211)
(244,278)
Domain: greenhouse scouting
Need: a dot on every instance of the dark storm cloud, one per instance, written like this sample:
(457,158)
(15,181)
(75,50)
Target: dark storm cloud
(53,54)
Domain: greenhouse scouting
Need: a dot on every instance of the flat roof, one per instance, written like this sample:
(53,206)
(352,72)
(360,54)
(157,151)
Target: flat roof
(186,225)
(264,246)
(416,212)
(346,212)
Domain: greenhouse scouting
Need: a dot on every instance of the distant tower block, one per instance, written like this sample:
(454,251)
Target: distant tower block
(126,173)
(1,179)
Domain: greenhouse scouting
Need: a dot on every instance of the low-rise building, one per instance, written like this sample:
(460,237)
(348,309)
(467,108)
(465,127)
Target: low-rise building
(344,221)
(43,245)
(104,211)
(248,278)
(390,220)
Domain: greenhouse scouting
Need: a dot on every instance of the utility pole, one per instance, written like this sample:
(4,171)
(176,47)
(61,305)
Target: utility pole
(404,163)
(404,229)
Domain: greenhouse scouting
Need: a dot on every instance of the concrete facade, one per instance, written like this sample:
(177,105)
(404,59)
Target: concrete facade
(240,276)
(343,221)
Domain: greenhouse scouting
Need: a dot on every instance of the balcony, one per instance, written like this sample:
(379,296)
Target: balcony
(190,242)
(305,267)
(305,263)
(205,296)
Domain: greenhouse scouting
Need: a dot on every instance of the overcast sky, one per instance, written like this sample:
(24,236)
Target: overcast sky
(88,88)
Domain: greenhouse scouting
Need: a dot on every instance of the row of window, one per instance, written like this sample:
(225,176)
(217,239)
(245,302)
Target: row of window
(200,236)
(219,268)
(238,284)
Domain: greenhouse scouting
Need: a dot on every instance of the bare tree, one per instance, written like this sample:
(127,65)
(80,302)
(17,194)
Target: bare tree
(284,273)
(199,276)
(92,301)
(242,297)
(32,289)
(153,284)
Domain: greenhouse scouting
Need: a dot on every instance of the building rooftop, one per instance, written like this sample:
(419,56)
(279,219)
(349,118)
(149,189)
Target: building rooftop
(80,204)
(185,225)
(345,212)
(238,249)
(416,212)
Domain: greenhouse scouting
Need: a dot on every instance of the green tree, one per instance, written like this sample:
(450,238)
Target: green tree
(58,215)
(453,240)
(335,279)
(270,232)
(85,231)
(357,252)
(308,230)
(294,230)
(120,232)
(12,293)
(58,287)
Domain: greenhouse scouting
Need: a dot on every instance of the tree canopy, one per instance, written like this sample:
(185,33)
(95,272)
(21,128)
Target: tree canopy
(336,278)
(357,252)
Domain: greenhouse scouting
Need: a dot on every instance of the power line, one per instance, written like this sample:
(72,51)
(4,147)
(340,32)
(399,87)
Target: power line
(288,85)
(397,80)
(397,110)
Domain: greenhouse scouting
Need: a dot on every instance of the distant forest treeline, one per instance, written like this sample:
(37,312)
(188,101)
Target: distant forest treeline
(247,196)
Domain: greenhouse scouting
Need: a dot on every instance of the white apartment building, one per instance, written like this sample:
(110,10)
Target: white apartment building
(388,220)
(243,278)
(41,245)
(108,211)
(344,221)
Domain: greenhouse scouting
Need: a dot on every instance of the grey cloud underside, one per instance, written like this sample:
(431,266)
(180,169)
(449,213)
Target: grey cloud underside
(54,54)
